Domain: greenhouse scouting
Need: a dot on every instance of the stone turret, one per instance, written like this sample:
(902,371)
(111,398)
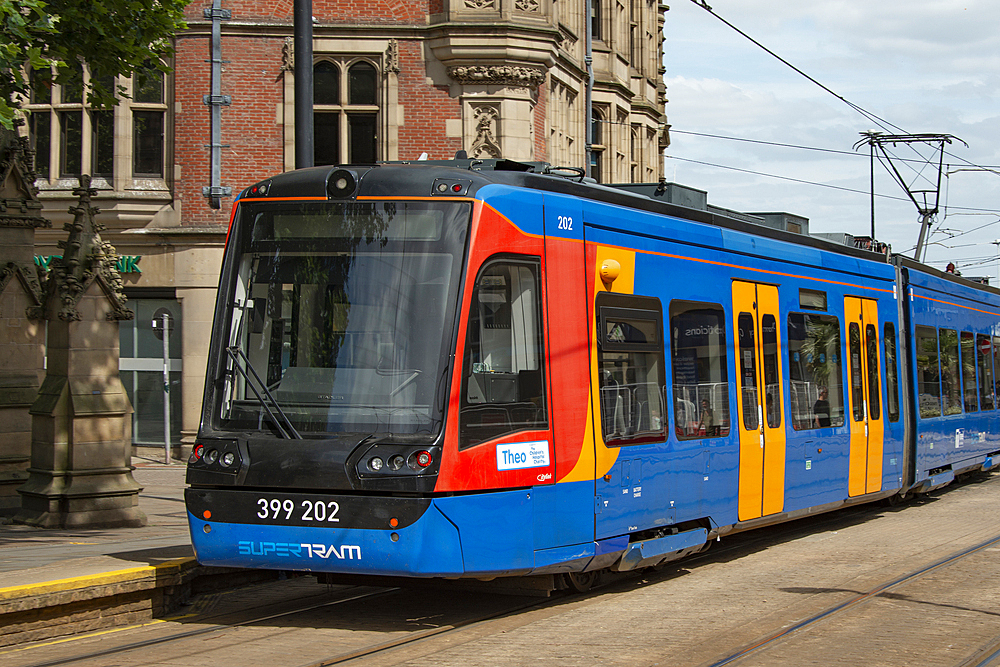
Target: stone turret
(81,474)
(22,333)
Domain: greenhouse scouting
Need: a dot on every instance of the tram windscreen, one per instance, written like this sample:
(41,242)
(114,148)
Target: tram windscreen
(345,313)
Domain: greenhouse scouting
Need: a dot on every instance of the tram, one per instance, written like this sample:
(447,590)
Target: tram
(487,368)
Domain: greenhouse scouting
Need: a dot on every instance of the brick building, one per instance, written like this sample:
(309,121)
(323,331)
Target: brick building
(392,80)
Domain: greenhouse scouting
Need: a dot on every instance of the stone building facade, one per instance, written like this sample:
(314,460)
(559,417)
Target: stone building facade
(393,80)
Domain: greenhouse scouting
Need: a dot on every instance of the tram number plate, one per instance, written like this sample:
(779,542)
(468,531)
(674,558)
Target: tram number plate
(303,511)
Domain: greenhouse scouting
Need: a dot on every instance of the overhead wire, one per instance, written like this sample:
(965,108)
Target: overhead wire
(881,122)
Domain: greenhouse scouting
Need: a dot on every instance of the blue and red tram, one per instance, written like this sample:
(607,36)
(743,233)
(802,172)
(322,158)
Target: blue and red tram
(479,370)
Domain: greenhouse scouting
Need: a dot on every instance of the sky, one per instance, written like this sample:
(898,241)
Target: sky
(919,66)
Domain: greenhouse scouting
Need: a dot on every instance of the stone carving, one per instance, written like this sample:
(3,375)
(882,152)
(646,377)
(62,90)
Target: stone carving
(86,258)
(392,57)
(527,5)
(485,145)
(480,4)
(288,55)
(497,75)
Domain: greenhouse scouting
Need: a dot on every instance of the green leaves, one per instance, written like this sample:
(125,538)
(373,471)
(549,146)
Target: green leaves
(114,38)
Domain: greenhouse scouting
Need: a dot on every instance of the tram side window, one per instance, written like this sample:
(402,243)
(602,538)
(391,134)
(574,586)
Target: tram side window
(631,369)
(503,380)
(969,392)
(928,372)
(698,358)
(984,354)
(891,372)
(816,372)
(996,368)
(951,389)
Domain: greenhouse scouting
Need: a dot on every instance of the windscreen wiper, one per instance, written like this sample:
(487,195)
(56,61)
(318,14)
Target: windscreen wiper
(284,422)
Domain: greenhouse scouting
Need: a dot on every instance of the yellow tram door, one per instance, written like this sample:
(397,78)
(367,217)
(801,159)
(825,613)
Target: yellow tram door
(762,434)
(865,392)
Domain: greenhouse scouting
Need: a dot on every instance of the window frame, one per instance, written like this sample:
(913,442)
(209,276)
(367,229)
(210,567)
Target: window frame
(637,308)
(56,170)
(721,412)
(541,421)
(344,111)
(834,386)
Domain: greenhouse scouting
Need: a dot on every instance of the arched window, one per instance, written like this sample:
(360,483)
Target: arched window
(326,83)
(345,111)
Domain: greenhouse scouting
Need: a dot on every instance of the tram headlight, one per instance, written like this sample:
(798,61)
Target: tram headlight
(375,464)
(396,462)
(420,459)
(341,184)
(212,456)
(228,459)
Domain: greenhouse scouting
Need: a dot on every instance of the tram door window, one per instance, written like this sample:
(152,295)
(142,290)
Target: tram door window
(814,370)
(928,372)
(864,366)
(969,392)
(984,355)
(762,436)
(503,387)
(891,372)
(631,369)
(700,368)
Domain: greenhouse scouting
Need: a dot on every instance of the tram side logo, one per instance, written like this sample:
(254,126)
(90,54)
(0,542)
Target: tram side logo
(291,550)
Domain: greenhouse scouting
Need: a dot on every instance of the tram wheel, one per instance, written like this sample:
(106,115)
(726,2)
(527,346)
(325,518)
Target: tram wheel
(581,582)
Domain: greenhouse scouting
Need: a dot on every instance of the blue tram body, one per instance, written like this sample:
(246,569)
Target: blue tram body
(433,371)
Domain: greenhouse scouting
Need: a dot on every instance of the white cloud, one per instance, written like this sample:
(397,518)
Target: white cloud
(923,65)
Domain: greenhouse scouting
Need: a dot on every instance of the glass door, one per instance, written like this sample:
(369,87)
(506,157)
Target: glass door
(762,433)
(141,367)
(867,428)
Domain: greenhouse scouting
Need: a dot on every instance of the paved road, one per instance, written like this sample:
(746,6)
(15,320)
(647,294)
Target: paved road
(860,585)
(24,547)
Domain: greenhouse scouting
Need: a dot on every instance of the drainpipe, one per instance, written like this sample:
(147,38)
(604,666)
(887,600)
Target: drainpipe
(216,100)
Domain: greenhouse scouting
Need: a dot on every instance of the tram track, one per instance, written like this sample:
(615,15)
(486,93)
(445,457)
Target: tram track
(375,626)
(985,657)
(188,634)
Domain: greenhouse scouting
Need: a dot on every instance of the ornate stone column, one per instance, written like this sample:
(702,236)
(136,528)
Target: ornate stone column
(496,54)
(22,334)
(81,443)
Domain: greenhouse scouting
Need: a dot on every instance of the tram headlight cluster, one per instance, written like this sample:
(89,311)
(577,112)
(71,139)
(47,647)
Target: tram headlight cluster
(216,454)
(395,461)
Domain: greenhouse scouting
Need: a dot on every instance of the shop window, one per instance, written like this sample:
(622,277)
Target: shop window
(630,369)
(345,111)
(815,371)
(928,372)
(700,370)
(141,369)
(503,380)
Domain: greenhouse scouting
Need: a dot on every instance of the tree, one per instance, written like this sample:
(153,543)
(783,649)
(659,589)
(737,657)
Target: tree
(51,38)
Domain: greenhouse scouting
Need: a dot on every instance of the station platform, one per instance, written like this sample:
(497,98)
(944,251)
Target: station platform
(59,582)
